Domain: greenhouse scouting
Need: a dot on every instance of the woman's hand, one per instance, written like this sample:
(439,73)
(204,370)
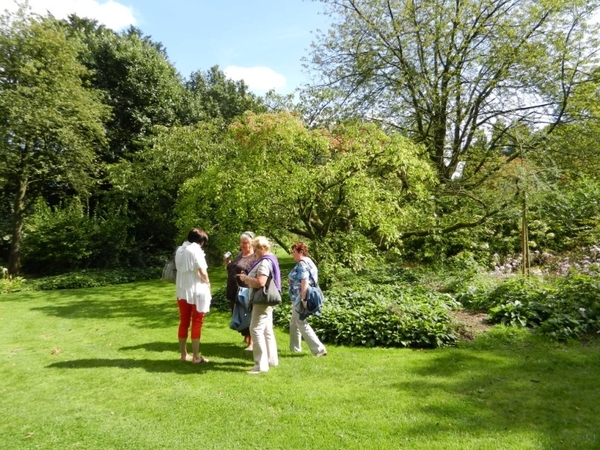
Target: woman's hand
(243,278)
(203,276)
(227,258)
(303,291)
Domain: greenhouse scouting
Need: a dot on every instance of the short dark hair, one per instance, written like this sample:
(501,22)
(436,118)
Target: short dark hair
(301,248)
(197,235)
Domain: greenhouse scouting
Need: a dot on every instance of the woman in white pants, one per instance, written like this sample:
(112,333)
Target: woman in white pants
(264,346)
(303,274)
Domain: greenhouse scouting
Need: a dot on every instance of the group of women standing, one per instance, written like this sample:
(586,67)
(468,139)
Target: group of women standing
(251,268)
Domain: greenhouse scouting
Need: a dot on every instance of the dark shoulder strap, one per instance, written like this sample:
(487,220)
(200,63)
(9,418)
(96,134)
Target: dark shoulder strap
(256,264)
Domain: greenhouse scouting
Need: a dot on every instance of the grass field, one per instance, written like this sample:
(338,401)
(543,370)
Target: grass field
(98,369)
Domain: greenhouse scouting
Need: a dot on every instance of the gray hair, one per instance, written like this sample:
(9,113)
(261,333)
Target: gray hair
(247,234)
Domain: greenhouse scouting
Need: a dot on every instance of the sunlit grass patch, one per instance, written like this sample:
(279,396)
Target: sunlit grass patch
(98,368)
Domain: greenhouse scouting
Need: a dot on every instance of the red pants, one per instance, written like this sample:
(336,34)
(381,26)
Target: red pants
(187,314)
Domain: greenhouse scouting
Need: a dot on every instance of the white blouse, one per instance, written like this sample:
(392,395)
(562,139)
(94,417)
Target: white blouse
(189,258)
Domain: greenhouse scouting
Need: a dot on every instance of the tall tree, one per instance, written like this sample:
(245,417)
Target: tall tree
(139,83)
(214,96)
(461,77)
(50,122)
(444,71)
(144,91)
(151,178)
(352,184)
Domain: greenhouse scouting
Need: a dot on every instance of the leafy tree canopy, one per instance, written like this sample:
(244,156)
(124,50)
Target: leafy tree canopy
(50,122)
(138,81)
(213,96)
(478,83)
(278,177)
(444,72)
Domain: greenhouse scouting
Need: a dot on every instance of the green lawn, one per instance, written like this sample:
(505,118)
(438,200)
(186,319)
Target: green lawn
(98,369)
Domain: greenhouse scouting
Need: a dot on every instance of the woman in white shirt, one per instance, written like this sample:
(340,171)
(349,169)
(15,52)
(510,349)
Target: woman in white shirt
(193,292)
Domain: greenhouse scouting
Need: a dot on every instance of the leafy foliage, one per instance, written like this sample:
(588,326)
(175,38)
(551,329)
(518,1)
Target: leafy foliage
(569,216)
(575,308)
(141,86)
(568,307)
(476,83)
(219,300)
(444,71)
(79,279)
(386,316)
(215,97)
(51,123)
(352,184)
(65,238)
(11,284)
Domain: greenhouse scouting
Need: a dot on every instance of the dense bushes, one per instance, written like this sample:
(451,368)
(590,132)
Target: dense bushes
(66,238)
(388,316)
(399,307)
(563,308)
(79,279)
(381,308)
(376,308)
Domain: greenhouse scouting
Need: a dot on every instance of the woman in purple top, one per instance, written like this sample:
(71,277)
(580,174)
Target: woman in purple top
(261,324)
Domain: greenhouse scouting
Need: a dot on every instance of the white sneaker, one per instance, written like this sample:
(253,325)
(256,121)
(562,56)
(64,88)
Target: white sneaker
(321,353)
(255,372)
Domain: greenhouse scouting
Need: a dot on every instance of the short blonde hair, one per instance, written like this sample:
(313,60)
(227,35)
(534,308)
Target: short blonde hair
(261,242)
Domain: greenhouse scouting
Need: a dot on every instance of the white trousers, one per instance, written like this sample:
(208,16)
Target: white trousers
(264,346)
(301,329)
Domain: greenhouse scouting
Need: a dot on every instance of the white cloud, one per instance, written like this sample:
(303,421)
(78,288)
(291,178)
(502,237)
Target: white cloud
(112,14)
(257,78)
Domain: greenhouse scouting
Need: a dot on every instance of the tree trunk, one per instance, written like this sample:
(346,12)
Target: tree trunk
(525,239)
(14,260)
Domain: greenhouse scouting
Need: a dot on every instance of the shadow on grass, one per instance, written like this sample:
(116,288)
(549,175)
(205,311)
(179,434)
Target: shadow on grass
(153,365)
(549,392)
(220,350)
(223,357)
(157,347)
(147,304)
(209,349)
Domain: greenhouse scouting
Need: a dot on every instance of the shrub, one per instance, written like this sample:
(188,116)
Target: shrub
(387,316)
(563,308)
(474,295)
(575,308)
(393,275)
(219,300)
(283,313)
(91,278)
(519,302)
(11,284)
(56,240)
(517,313)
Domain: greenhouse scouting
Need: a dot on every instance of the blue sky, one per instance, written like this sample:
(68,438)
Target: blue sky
(260,41)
